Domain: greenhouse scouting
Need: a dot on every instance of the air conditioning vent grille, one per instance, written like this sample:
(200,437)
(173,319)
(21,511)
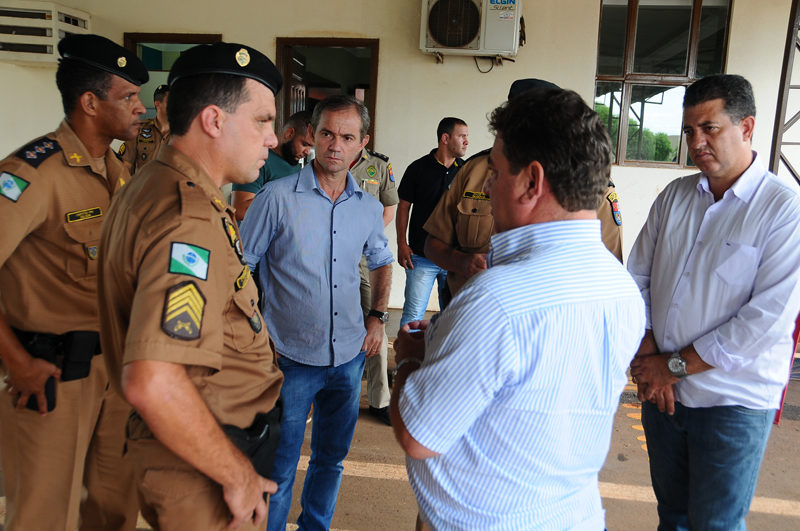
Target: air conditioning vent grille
(454,23)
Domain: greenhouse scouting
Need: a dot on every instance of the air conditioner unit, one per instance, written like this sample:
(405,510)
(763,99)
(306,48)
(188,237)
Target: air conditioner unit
(30,31)
(470,27)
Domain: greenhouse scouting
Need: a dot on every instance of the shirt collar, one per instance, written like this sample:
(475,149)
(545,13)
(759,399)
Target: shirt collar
(745,186)
(509,245)
(175,159)
(75,152)
(308,181)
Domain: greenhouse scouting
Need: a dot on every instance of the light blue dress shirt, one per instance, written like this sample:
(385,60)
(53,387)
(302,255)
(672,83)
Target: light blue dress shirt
(522,376)
(308,248)
(724,276)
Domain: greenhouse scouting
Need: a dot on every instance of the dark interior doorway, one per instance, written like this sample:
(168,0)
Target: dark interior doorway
(314,68)
(158,51)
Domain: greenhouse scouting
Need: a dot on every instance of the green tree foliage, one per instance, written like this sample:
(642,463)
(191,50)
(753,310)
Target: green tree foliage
(643,144)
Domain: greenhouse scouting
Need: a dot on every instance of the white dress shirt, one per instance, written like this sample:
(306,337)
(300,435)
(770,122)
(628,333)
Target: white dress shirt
(723,276)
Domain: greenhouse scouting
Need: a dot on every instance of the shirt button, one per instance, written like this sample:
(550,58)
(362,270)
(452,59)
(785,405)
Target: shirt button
(335,313)
(334,340)
(334,259)
(252,302)
(474,210)
(335,286)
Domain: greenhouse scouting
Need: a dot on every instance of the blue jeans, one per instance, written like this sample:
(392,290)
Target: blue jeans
(335,393)
(419,283)
(704,463)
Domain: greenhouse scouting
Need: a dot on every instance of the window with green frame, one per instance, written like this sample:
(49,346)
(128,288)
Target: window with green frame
(649,51)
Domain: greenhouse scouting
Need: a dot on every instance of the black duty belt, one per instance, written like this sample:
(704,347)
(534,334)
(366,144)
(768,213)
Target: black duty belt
(71,352)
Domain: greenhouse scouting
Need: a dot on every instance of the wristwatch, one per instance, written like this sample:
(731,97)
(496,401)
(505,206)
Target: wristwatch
(383,316)
(677,365)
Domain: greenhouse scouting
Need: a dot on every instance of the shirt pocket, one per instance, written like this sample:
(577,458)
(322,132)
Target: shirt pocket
(474,223)
(372,187)
(83,239)
(240,317)
(737,265)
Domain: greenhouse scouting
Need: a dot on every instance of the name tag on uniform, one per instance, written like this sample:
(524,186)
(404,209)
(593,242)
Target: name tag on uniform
(476,195)
(83,215)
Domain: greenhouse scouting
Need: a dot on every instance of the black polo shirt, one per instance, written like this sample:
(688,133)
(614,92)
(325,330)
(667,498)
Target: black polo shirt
(423,184)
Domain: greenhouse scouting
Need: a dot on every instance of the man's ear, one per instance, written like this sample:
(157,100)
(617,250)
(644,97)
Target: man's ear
(748,124)
(212,119)
(364,141)
(288,134)
(532,176)
(89,102)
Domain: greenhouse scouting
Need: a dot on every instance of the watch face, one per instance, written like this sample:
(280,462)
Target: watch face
(677,366)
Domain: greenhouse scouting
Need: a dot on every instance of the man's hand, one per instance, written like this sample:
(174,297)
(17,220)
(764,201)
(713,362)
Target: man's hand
(410,342)
(27,378)
(404,256)
(245,499)
(654,381)
(471,264)
(374,338)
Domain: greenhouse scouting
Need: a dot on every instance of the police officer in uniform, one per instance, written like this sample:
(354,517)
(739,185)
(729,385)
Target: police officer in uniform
(373,173)
(60,425)
(180,321)
(152,134)
(460,226)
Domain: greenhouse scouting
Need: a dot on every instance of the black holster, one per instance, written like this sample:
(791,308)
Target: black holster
(71,352)
(260,440)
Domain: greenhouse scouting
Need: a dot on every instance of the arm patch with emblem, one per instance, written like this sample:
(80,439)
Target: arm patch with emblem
(183,311)
(38,151)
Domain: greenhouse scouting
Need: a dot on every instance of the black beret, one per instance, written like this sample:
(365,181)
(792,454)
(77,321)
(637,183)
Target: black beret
(226,58)
(104,54)
(524,85)
(161,89)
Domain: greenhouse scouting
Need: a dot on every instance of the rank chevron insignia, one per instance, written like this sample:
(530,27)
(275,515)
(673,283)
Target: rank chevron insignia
(183,311)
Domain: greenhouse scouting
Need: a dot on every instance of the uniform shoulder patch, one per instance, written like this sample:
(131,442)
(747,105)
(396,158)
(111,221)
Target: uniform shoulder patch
(379,155)
(187,259)
(11,186)
(38,151)
(184,305)
(122,148)
(613,199)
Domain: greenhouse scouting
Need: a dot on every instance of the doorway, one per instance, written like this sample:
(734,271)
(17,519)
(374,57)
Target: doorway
(314,68)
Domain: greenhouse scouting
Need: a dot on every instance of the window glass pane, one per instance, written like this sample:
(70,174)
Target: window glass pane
(713,26)
(662,36)
(654,123)
(607,102)
(611,44)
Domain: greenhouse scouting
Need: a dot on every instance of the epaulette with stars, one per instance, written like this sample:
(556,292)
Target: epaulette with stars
(379,155)
(38,151)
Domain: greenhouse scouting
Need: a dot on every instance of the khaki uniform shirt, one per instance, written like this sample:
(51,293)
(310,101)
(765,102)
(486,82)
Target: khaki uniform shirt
(174,287)
(136,152)
(463,218)
(54,197)
(373,173)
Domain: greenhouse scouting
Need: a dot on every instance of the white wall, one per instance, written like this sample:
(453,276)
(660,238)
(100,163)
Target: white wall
(414,92)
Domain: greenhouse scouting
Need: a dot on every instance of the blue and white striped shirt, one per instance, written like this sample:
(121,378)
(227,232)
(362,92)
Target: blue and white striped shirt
(522,376)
